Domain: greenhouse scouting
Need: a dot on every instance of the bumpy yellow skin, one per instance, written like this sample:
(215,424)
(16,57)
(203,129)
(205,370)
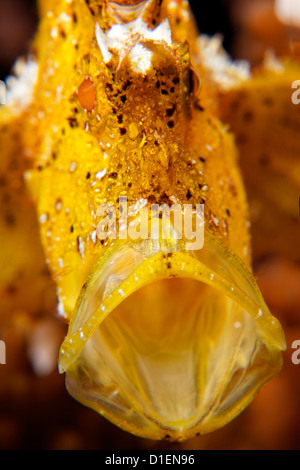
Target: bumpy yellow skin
(157,163)
(151,135)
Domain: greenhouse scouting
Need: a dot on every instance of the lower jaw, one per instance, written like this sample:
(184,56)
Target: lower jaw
(170,343)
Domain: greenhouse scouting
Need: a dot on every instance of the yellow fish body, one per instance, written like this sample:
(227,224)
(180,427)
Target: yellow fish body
(163,341)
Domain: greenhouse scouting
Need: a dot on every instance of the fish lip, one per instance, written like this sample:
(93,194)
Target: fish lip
(241,287)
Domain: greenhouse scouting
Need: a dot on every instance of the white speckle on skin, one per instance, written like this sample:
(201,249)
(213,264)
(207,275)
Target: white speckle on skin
(94,236)
(215,220)
(54,32)
(64,17)
(73,167)
(43,218)
(237,325)
(101,174)
(58,206)
(81,247)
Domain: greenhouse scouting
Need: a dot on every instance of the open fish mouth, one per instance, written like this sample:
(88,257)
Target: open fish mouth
(170,343)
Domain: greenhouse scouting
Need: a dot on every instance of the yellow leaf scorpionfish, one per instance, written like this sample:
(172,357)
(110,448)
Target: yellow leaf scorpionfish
(163,339)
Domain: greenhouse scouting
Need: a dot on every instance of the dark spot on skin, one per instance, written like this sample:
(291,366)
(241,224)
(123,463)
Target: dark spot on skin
(235,105)
(109,87)
(123,98)
(63,33)
(113,175)
(264,160)
(11,289)
(74,17)
(176,81)
(171,124)
(248,116)
(188,194)
(10,219)
(198,106)
(126,85)
(88,175)
(228,212)
(54,156)
(129,185)
(268,102)
(167,436)
(202,159)
(241,139)
(158,84)
(120,118)
(87,58)
(164,92)
(172,90)
(3,181)
(72,229)
(169,265)
(170,112)
(123,131)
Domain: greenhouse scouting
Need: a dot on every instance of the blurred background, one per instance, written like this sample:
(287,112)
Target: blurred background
(36,411)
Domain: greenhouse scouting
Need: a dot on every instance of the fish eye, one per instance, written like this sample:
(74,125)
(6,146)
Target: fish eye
(87,95)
